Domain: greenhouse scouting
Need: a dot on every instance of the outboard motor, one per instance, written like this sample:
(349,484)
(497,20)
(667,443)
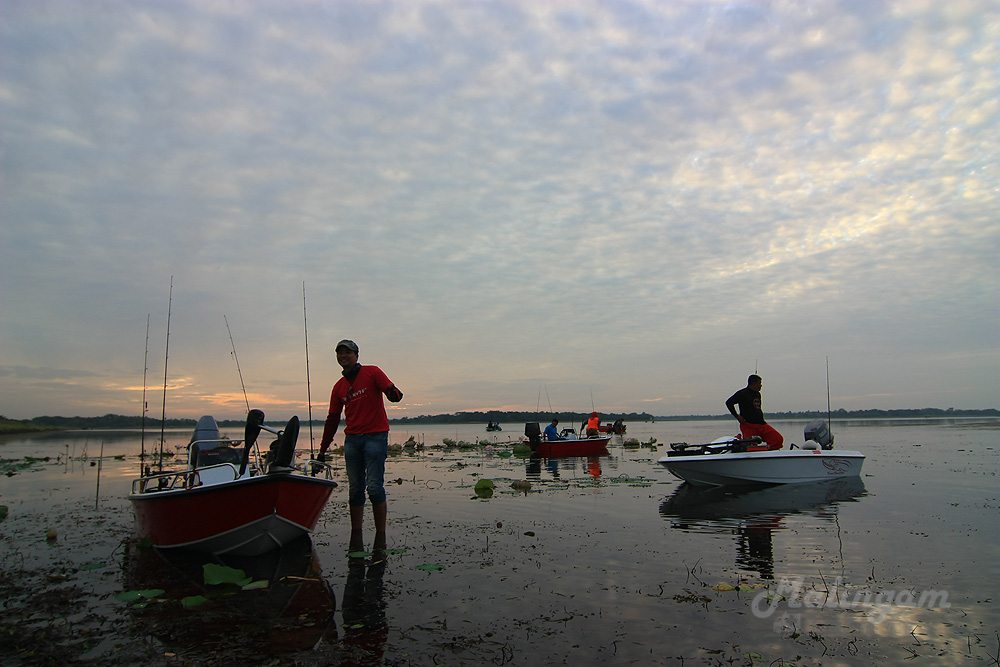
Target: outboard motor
(817,431)
(534,433)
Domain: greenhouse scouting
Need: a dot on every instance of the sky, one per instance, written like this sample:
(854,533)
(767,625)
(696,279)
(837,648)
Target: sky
(626,206)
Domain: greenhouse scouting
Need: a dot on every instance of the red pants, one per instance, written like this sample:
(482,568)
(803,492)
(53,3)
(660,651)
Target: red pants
(766,432)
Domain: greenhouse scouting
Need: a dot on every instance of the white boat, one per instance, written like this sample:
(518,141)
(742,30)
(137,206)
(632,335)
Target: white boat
(735,462)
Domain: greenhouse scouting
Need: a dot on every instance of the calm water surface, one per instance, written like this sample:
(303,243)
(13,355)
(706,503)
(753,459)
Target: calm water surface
(599,560)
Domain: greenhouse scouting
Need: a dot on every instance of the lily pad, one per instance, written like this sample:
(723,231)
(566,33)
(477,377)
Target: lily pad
(131,596)
(430,567)
(256,585)
(216,575)
(194,601)
(723,587)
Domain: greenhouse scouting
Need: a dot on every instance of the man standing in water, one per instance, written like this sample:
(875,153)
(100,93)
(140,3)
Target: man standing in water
(366,436)
(750,416)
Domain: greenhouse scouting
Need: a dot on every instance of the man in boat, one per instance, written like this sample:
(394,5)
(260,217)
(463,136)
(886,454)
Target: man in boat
(593,425)
(551,432)
(750,415)
(358,394)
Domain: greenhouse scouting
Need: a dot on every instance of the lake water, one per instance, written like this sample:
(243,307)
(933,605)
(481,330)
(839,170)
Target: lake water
(602,560)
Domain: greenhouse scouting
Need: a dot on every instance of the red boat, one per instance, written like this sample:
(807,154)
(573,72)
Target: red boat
(223,503)
(551,449)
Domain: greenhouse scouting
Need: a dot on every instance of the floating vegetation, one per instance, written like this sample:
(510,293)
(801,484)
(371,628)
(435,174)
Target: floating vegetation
(633,481)
(430,567)
(148,594)
(484,488)
(222,579)
(11,467)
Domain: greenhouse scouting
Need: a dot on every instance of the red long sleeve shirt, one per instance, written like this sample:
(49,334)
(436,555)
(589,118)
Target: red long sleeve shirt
(360,401)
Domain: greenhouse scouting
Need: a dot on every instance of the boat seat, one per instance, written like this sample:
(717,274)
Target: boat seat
(212,453)
(218,474)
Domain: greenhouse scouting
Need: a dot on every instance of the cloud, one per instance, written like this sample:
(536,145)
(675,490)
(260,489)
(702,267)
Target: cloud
(633,194)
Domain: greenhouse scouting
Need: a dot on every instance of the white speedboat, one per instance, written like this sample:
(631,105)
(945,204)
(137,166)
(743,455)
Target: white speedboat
(735,462)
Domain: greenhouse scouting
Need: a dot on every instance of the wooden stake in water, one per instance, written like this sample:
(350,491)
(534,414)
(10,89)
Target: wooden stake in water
(97,499)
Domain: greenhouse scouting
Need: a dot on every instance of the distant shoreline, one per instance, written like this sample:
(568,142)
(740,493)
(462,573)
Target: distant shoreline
(119,422)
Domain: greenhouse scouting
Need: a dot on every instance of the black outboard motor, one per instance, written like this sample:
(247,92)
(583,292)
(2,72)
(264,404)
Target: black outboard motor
(534,433)
(817,431)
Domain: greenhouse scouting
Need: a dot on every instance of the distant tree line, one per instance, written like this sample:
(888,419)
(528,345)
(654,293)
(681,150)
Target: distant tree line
(916,413)
(516,417)
(574,417)
(111,421)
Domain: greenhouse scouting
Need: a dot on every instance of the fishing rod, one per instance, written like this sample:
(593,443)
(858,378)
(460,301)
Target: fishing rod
(245,399)
(145,406)
(829,413)
(305,329)
(166,356)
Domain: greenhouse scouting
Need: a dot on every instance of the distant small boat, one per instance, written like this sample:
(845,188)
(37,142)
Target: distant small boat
(493,427)
(227,502)
(735,462)
(573,446)
(618,428)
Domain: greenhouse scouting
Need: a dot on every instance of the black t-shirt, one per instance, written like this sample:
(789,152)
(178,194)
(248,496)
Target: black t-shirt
(749,402)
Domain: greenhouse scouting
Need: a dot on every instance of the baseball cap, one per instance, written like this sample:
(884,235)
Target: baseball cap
(349,344)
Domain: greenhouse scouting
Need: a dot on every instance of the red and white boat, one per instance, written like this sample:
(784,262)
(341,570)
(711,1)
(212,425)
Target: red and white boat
(570,446)
(231,499)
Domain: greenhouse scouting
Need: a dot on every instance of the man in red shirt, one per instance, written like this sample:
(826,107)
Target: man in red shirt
(366,436)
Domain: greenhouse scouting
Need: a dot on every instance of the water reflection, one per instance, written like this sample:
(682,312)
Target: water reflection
(556,468)
(754,514)
(365,627)
(292,613)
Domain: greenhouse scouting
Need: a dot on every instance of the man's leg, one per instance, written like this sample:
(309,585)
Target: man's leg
(380,511)
(771,436)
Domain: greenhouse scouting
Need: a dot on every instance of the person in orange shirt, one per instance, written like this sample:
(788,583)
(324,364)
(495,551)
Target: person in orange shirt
(593,425)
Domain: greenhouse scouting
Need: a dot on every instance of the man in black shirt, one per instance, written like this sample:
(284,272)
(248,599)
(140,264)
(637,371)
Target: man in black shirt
(750,416)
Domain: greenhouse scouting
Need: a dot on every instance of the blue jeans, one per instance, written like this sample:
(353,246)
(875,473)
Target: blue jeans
(364,456)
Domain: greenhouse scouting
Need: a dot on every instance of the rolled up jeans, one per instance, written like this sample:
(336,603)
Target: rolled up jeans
(364,456)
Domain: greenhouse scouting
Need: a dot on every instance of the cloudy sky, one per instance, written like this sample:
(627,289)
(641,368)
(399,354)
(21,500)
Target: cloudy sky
(508,204)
